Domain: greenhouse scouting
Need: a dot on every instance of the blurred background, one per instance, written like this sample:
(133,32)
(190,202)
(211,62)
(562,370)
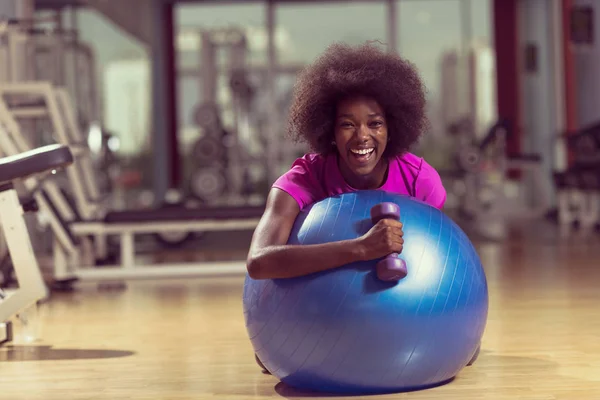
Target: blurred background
(184,103)
(175,112)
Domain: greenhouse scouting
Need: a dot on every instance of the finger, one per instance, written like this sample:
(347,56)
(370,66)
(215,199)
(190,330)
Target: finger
(397,232)
(386,222)
(393,223)
(398,241)
(390,222)
(398,247)
(393,241)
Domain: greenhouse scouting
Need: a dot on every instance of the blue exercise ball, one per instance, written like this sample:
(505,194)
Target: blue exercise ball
(346,331)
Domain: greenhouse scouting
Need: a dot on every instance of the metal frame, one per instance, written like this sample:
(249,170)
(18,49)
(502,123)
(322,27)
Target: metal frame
(31,284)
(13,142)
(560,159)
(58,109)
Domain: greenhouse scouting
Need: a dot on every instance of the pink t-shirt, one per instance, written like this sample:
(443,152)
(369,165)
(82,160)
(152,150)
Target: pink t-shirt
(314,177)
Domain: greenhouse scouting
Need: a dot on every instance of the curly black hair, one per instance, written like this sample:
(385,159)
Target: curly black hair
(343,70)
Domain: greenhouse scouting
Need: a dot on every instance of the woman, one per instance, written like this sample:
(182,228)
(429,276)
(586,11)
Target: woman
(360,109)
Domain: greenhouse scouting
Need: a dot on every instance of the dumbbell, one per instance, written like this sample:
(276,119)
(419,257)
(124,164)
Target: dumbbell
(391,268)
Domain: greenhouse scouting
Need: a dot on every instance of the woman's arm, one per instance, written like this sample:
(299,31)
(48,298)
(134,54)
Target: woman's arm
(270,256)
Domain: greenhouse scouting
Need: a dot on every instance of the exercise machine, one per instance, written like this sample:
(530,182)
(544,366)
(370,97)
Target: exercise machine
(225,159)
(81,228)
(29,53)
(15,170)
(234,155)
(578,186)
(485,196)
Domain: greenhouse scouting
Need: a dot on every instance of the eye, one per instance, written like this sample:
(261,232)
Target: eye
(345,124)
(377,124)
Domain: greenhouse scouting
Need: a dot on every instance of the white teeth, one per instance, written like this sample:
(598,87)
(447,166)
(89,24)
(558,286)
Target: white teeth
(362,151)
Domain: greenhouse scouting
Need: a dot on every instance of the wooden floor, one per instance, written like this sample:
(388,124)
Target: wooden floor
(186,339)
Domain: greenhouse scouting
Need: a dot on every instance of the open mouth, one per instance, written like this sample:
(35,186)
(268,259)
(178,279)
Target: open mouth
(362,155)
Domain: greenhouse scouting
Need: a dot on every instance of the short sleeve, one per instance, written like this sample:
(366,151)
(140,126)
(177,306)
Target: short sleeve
(301,180)
(429,187)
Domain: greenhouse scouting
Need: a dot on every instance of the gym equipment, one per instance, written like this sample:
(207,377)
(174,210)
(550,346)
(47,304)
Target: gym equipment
(578,197)
(345,330)
(29,53)
(228,167)
(207,116)
(207,184)
(210,161)
(392,267)
(13,170)
(54,104)
(250,148)
(578,186)
(208,151)
(480,182)
(81,230)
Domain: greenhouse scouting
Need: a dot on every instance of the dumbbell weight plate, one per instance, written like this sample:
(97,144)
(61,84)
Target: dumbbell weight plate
(384,210)
(469,159)
(207,116)
(173,199)
(391,268)
(207,184)
(207,151)
(173,239)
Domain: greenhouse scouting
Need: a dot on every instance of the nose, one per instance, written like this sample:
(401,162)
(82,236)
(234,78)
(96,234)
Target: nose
(362,133)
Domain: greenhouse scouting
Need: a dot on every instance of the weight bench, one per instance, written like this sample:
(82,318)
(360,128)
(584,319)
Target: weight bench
(31,286)
(127,224)
(80,246)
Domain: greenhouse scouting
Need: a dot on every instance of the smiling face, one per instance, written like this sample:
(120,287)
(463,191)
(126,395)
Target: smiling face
(361,136)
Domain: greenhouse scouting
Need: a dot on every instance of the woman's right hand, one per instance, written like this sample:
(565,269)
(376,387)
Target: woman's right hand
(384,238)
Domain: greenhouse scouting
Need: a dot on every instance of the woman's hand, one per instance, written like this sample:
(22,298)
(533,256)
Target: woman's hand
(384,238)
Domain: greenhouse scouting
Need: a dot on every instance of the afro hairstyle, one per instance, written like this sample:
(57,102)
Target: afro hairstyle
(344,70)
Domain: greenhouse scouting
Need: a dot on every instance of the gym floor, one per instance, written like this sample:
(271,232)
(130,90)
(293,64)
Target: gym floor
(185,339)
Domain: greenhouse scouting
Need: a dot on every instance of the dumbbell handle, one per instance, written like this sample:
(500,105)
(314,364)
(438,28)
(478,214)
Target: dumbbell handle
(392,267)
